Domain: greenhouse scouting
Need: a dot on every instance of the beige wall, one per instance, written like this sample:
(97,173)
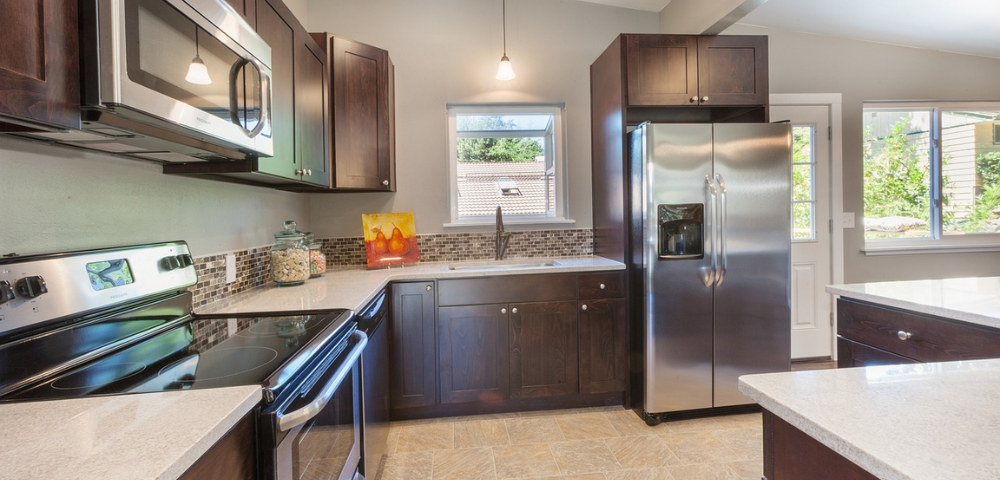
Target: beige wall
(801,63)
(56,199)
(447,51)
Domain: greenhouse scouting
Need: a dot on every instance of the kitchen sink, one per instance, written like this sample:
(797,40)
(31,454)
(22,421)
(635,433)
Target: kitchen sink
(504,264)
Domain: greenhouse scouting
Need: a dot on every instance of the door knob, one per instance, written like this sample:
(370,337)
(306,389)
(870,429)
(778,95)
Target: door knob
(583,307)
(513,310)
(602,286)
(429,288)
(385,182)
(705,98)
(694,99)
(503,311)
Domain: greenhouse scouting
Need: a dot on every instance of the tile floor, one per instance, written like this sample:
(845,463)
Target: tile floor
(605,443)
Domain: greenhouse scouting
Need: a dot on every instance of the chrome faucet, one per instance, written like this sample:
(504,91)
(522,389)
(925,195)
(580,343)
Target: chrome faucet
(502,238)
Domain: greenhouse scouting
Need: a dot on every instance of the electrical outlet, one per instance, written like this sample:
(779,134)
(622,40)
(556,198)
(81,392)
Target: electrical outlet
(230,268)
(848,220)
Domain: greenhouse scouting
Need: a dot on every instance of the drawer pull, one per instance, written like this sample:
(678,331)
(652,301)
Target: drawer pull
(583,307)
(904,335)
(602,286)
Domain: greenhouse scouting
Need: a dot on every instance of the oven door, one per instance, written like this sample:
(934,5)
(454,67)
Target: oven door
(148,52)
(317,436)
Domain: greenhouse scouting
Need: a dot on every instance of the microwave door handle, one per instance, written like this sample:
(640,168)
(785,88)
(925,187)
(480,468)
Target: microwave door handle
(724,203)
(265,101)
(234,104)
(298,417)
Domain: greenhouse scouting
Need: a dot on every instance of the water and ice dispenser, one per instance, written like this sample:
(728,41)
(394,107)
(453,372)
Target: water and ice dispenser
(681,231)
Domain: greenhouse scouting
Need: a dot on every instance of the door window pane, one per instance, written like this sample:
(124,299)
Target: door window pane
(897,176)
(970,156)
(803,190)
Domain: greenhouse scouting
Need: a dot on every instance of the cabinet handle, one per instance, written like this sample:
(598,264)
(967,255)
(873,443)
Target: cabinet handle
(385,182)
(300,172)
(309,171)
(503,311)
(583,307)
(513,310)
(904,335)
(602,286)
(694,99)
(429,288)
(704,99)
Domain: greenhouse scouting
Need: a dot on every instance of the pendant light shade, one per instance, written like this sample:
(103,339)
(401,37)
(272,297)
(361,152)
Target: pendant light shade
(197,71)
(505,71)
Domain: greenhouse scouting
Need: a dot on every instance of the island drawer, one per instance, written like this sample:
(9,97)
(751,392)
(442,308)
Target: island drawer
(921,337)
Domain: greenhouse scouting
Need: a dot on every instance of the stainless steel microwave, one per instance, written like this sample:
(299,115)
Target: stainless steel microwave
(172,80)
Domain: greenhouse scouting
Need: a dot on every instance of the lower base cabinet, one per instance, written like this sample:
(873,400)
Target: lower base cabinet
(791,454)
(509,343)
(233,457)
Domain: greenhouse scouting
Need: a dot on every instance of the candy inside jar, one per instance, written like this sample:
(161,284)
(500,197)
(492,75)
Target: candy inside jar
(317,259)
(290,260)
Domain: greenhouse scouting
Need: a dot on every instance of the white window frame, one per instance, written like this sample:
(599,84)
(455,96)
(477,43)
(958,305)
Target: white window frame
(557,150)
(938,242)
(812,185)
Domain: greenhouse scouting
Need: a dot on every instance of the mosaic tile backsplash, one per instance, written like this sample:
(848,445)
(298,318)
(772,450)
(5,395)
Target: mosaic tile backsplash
(253,266)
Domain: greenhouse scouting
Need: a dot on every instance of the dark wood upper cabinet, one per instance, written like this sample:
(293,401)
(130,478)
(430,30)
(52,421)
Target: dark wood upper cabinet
(280,36)
(247,9)
(311,119)
(40,71)
(687,70)
(362,116)
(411,345)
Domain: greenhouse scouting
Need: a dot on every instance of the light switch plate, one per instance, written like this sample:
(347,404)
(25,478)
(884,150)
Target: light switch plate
(848,220)
(230,268)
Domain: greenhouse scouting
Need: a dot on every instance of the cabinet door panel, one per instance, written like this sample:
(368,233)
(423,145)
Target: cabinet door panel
(473,360)
(662,69)
(603,346)
(279,35)
(361,117)
(543,349)
(412,345)
(853,354)
(40,77)
(310,110)
(732,70)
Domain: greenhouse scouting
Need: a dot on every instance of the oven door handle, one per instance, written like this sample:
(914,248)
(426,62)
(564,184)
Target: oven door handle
(295,418)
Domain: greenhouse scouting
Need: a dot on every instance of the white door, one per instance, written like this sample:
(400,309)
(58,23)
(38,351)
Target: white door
(812,318)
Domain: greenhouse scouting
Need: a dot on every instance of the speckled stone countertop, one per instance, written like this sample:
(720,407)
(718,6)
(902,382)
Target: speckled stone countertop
(121,437)
(353,288)
(973,300)
(931,421)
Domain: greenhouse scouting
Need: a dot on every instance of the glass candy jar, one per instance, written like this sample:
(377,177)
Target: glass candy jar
(317,259)
(289,257)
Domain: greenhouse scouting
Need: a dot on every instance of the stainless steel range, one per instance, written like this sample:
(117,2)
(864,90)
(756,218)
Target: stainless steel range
(120,321)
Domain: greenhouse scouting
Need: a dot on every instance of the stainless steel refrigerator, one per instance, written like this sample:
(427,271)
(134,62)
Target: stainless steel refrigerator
(713,258)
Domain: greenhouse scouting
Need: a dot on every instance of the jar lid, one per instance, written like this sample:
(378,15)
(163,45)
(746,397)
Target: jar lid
(289,233)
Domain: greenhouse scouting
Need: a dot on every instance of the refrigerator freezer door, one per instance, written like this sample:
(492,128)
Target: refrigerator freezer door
(752,314)
(678,291)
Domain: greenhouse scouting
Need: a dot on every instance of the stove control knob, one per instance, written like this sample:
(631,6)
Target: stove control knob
(169,263)
(31,287)
(6,292)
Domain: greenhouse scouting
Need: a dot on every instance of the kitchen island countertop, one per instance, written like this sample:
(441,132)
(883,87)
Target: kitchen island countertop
(354,287)
(118,437)
(932,421)
(974,300)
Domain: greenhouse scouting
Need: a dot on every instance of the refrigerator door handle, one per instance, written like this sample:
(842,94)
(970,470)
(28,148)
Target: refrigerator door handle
(724,203)
(712,202)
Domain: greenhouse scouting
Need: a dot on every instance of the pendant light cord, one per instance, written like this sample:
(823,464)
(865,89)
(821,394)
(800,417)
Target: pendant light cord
(504,28)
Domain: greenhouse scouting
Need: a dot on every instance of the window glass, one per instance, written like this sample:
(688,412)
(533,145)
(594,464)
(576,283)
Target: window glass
(803,189)
(507,156)
(970,155)
(897,173)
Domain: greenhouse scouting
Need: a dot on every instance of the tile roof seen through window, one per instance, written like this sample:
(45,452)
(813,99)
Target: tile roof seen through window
(479,188)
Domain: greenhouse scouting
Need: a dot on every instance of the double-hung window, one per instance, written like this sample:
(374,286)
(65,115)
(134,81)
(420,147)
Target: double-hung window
(931,177)
(507,155)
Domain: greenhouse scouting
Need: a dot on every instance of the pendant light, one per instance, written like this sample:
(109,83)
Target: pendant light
(197,72)
(505,71)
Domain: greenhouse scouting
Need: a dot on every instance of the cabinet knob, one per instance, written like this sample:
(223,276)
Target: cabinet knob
(309,171)
(300,172)
(694,99)
(513,310)
(385,182)
(503,311)
(584,307)
(429,288)
(904,335)
(602,286)
(704,99)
